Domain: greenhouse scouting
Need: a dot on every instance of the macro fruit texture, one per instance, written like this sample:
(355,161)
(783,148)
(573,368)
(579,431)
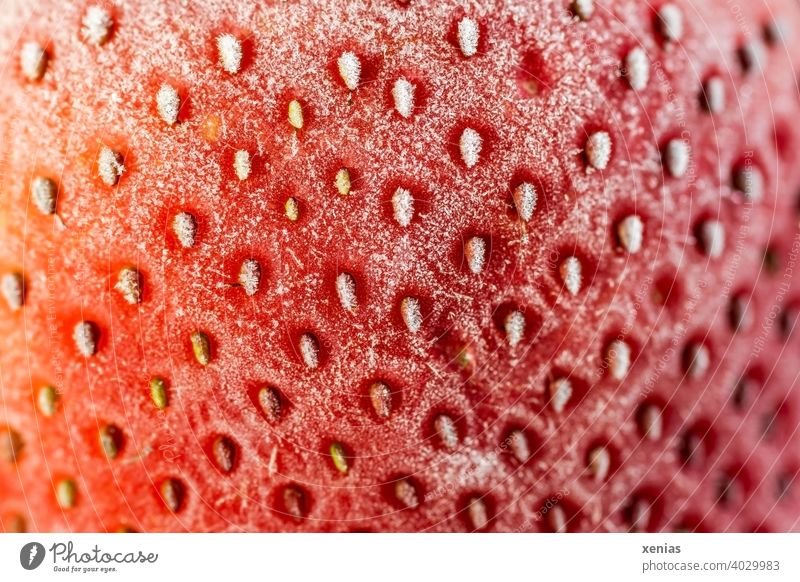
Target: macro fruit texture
(399,266)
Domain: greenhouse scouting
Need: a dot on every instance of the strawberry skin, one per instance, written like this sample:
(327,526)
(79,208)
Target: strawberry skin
(399,266)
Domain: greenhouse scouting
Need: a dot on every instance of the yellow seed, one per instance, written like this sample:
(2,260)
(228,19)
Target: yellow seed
(172,494)
(11,445)
(224,452)
(338,457)
(465,358)
(65,493)
(201,347)
(16,524)
(296,114)
(342,181)
(292,209)
(110,440)
(381,396)
(47,400)
(270,402)
(158,393)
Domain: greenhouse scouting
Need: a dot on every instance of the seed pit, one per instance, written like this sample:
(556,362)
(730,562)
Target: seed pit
(752,56)
(636,69)
(476,253)
(340,456)
(640,514)
(786,483)
(172,494)
(294,502)
(789,319)
(184,226)
(598,150)
(712,94)
(291,209)
(224,453)
(710,235)
(651,421)
(129,285)
(295,114)
(696,446)
(348,65)
(309,349)
(111,440)
(525,196)
(557,515)
(158,392)
(405,493)
(785,141)
(12,288)
(230,52)
(354,70)
(168,103)
(11,445)
(269,403)
(86,336)
(599,459)
(33,60)
(669,21)
(444,430)
(201,347)
(411,313)
(519,445)
(515,325)
(47,400)
(730,487)
(110,165)
(533,77)
(13,523)
(470,144)
(618,358)
(748,180)
(564,391)
(66,493)
(97,26)
(380,399)
(776,422)
(746,390)
(468,36)
(346,291)
(44,193)
(772,260)
(630,233)
(667,291)
(740,317)
(249,278)
(478,511)
(696,359)
(583,9)
(676,157)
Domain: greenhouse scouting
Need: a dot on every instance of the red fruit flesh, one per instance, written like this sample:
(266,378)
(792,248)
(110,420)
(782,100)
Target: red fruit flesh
(464,430)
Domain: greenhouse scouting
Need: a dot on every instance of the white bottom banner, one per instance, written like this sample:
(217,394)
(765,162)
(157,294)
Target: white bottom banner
(401,557)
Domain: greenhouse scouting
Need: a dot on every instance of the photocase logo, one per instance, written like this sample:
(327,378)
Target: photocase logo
(31,555)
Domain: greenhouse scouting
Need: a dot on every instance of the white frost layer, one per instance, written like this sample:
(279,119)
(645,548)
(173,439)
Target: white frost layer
(350,69)
(168,103)
(468,36)
(96,25)
(470,144)
(229,53)
(403,95)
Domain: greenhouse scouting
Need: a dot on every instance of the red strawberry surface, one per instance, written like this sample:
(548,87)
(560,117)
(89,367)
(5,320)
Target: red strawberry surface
(399,266)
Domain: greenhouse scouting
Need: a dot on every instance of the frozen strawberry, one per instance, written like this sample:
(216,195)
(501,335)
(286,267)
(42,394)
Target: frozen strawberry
(399,266)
